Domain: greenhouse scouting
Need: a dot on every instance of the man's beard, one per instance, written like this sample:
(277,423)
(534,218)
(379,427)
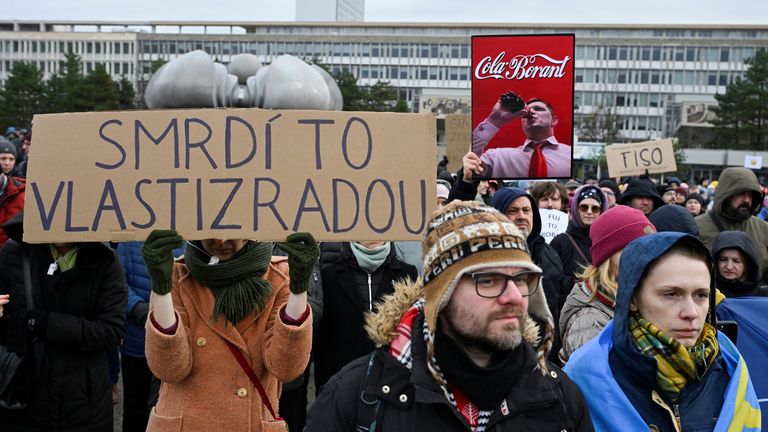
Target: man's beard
(471,333)
(740,213)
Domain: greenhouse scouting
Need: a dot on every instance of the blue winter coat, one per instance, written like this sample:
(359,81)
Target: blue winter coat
(139,288)
(617,380)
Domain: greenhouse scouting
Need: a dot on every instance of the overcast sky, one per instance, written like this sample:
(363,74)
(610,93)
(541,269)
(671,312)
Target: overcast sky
(504,11)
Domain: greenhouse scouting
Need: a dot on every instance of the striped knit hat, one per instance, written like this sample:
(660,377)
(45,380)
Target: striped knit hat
(465,236)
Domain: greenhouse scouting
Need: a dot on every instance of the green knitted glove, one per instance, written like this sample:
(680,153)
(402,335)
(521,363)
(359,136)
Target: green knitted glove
(303,251)
(158,256)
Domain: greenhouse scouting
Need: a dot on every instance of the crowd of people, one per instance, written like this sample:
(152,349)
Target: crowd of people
(481,326)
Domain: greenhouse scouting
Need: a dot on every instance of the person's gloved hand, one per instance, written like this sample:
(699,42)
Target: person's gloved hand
(140,312)
(158,256)
(303,251)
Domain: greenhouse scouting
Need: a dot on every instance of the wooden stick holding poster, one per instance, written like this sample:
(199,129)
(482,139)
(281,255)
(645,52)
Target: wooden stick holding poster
(522,106)
(638,158)
(230,173)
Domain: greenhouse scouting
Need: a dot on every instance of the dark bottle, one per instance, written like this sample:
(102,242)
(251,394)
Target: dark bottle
(512,102)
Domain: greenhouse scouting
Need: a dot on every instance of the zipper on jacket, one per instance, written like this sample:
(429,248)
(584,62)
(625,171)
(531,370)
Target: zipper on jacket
(370,294)
(676,408)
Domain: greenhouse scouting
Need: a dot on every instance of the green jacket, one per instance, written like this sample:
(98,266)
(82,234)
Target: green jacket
(734,181)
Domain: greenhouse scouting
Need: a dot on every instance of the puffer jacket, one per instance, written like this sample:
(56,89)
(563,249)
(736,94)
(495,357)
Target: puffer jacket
(734,181)
(411,400)
(11,203)
(581,319)
(139,288)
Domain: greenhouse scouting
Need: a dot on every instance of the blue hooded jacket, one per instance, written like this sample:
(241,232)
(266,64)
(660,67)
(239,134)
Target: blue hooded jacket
(617,380)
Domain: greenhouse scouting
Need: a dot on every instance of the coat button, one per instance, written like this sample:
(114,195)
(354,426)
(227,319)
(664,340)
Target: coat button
(241,392)
(403,398)
(553,374)
(385,389)
(201,342)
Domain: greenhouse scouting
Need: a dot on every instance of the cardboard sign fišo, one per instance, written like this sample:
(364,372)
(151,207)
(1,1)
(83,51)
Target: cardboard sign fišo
(638,158)
(230,174)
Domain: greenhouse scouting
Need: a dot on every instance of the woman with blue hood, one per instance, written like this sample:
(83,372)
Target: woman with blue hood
(661,365)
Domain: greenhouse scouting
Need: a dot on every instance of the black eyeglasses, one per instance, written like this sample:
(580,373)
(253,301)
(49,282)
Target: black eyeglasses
(493,284)
(586,207)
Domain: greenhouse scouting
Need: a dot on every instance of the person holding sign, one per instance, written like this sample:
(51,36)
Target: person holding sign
(661,364)
(226,295)
(540,156)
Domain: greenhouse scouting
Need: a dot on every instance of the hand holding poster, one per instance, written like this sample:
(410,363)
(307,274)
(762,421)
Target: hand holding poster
(638,158)
(234,173)
(525,80)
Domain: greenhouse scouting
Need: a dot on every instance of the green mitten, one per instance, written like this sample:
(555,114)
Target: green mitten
(303,251)
(158,256)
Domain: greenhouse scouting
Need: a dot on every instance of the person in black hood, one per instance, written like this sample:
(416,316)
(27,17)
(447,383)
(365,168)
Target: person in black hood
(738,274)
(641,194)
(674,218)
(573,246)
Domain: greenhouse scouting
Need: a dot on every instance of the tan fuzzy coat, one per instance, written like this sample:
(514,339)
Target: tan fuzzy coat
(203,386)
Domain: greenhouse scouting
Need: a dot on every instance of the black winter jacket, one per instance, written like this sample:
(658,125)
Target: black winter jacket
(86,315)
(340,337)
(412,401)
(573,261)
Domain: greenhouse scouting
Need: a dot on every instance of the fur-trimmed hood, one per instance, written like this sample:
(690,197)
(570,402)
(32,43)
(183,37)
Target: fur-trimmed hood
(381,325)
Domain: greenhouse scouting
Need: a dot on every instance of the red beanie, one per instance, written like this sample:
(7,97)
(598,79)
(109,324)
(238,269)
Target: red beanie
(613,230)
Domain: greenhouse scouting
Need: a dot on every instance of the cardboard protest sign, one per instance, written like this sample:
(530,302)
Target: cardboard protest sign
(457,136)
(637,158)
(553,222)
(522,89)
(230,173)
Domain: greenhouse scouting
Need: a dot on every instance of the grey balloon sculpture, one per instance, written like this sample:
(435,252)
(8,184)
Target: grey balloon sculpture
(194,80)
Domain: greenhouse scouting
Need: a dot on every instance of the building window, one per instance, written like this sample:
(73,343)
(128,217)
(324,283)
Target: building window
(644,77)
(690,54)
(679,53)
(656,54)
(724,54)
(646,53)
(613,53)
(623,53)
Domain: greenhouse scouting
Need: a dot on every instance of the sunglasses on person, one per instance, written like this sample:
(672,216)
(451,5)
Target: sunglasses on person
(493,284)
(587,207)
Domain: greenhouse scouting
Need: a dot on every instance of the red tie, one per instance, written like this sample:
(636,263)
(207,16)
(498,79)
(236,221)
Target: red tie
(538,167)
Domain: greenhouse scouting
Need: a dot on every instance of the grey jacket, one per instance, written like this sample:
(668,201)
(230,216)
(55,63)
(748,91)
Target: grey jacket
(581,320)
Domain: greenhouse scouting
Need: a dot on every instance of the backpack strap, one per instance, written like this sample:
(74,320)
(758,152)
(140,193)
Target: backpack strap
(367,408)
(716,221)
(578,249)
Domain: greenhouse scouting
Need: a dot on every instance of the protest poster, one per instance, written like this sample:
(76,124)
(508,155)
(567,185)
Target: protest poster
(553,222)
(457,137)
(522,99)
(753,162)
(230,173)
(631,159)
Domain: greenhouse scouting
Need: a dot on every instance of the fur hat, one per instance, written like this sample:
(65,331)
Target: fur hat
(465,236)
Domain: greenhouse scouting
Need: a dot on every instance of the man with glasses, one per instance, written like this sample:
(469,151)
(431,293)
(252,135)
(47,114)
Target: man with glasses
(464,348)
